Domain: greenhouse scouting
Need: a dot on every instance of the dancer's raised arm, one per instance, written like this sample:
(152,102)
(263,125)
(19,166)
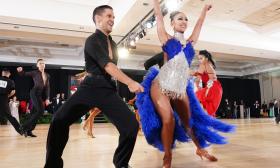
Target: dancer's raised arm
(197,29)
(162,34)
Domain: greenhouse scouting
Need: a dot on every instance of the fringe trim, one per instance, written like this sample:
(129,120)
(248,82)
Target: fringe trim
(173,95)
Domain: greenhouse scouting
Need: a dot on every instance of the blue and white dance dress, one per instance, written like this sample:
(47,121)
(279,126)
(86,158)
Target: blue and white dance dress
(175,82)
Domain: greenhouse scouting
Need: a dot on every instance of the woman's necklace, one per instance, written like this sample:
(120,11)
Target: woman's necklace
(180,37)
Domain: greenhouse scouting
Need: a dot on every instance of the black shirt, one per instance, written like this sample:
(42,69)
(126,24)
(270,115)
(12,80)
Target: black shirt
(6,86)
(38,81)
(97,53)
(97,57)
(157,59)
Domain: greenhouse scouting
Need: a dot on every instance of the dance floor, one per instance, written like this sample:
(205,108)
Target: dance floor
(256,144)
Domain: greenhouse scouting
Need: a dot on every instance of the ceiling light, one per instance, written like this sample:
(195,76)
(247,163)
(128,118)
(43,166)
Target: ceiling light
(149,25)
(154,22)
(144,32)
(132,43)
(151,22)
(123,52)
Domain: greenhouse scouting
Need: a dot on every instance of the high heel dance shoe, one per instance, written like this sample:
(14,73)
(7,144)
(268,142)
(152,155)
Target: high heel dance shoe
(203,153)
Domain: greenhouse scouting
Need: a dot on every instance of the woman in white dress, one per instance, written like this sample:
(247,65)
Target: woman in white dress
(14,104)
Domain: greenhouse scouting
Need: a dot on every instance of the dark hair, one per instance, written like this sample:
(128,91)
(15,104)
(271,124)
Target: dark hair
(5,70)
(207,55)
(99,10)
(173,14)
(40,59)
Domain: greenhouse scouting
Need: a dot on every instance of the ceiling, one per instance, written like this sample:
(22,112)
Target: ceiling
(243,35)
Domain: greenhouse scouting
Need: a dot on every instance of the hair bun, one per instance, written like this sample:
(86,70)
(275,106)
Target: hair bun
(173,14)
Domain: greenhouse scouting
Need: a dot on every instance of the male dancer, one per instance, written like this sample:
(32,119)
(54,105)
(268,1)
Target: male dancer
(98,89)
(38,94)
(7,89)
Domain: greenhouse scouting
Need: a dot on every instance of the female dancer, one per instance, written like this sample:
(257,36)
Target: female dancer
(89,121)
(165,91)
(14,104)
(211,94)
(132,103)
(88,124)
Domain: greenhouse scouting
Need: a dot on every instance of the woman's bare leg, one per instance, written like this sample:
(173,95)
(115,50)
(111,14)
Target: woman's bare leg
(164,109)
(91,121)
(182,107)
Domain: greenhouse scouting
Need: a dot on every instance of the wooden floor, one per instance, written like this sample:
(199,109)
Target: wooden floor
(256,144)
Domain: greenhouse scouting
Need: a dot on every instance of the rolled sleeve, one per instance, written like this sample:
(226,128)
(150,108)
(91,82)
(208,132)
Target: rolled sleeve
(13,86)
(97,52)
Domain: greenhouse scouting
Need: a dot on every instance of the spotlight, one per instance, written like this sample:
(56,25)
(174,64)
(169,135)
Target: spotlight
(123,52)
(149,24)
(137,38)
(132,43)
(141,35)
(144,32)
(154,22)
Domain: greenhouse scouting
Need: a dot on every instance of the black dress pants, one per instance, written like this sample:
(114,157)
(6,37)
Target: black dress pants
(85,98)
(36,112)
(6,112)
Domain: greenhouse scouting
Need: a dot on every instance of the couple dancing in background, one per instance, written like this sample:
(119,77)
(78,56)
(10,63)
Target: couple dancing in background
(161,91)
(39,95)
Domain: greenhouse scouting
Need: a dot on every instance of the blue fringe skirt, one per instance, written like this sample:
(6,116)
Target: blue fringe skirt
(204,126)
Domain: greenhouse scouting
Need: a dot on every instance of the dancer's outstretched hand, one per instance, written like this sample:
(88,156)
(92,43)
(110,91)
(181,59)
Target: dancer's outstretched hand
(207,7)
(19,69)
(135,87)
(47,102)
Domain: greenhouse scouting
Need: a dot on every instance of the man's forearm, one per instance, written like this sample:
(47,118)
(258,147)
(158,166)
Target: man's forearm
(12,93)
(115,72)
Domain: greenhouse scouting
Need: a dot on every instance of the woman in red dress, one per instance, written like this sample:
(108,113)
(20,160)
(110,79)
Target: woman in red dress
(210,94)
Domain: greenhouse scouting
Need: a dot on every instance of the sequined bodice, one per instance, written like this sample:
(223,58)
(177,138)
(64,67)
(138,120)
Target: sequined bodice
(173,46)
(174,74)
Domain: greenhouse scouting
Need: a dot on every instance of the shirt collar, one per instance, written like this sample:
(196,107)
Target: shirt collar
(102,35)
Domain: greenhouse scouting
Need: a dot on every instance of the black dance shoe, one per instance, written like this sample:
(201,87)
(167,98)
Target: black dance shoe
(20,130)
(29,133)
